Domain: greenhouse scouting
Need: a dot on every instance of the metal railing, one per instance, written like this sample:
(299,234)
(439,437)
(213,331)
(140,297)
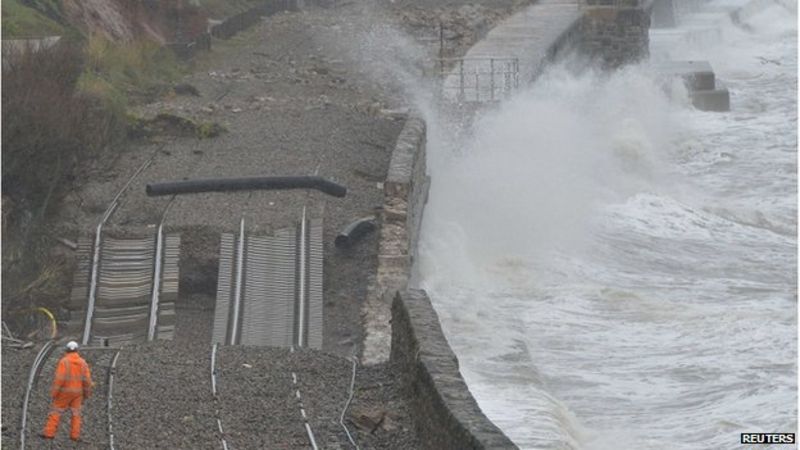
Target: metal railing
(478,79)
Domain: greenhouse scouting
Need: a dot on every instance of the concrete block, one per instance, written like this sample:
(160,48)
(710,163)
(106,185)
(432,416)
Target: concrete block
(718,99)
(663,15)
(698,75)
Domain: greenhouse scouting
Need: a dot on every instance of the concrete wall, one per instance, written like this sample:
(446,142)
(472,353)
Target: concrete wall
(401,324)
(405,194)
(446,415)
(615,32)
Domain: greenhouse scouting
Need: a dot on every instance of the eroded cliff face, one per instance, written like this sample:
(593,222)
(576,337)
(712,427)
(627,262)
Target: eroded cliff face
(127,20)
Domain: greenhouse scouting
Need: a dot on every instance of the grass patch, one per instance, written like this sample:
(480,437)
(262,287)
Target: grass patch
(21,21)
(206,130)
(129,72)
(167,124)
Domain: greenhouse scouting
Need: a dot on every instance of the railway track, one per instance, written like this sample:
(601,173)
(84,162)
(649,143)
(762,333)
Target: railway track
(309,432)
(269,290)
(112,368)
(136,289)
(33,377)
(222,438)
(126,287)
(257,382)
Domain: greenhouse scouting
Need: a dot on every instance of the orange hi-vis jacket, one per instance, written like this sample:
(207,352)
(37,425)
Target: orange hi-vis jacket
(72,377)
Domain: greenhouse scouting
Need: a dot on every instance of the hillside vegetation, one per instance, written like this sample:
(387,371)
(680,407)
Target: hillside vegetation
(31,18)
(64,109)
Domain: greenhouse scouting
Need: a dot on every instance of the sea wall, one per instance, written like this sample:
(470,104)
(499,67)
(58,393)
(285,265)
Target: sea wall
(405,194)
(447,416)
(615,32)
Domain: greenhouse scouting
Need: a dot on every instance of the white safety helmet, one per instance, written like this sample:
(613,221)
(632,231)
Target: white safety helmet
(72,346)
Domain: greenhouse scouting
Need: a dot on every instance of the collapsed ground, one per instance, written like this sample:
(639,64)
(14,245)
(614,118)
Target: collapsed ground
(318,91)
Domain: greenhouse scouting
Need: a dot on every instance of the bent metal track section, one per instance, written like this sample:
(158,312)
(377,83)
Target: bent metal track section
(270,288)
(128,272)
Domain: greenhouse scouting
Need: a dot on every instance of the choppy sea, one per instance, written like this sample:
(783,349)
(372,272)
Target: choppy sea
(618,270)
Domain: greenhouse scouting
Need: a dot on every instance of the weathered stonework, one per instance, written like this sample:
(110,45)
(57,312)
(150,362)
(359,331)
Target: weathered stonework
(445,413)
(405,194)
(615,32)
(186,48)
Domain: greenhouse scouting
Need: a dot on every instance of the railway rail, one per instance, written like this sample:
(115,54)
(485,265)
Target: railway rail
(222,439)
(39,361)
(269,288)
(132,283)
(93,280)
(309,432)
(109,399)
(33,377)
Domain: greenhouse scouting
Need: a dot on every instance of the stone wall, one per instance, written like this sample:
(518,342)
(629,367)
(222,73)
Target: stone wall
(615,32)
(446,415)
(232,25)
(401,324)
(405,194)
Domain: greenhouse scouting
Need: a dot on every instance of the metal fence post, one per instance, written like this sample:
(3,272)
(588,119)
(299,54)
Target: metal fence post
(491,77)
(461,75)
(477,87)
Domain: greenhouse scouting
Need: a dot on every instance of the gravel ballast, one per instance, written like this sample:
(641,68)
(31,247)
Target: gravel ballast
(162,397)
(316,91)
(294,100)
(94,423)
(16,364)
(259,407)
(257,404)
(323,381)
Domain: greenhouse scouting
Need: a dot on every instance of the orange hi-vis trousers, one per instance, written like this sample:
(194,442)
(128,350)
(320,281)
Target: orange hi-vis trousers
(61,403)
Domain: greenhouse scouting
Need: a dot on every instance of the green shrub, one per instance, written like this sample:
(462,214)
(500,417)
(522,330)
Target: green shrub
(207,130)
(136,71)
(21,20)
(50,129)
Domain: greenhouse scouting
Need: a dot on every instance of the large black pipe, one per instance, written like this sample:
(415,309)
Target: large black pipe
(246,184)
(355,231)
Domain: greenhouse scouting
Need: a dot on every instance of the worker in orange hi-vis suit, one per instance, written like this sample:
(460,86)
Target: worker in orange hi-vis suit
(72,384)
